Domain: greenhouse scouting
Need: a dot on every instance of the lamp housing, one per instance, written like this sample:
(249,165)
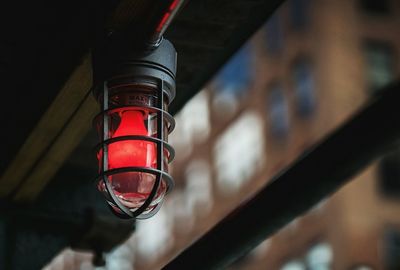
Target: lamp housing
(134,88)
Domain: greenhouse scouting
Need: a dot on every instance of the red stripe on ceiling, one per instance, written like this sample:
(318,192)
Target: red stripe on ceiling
(166,16)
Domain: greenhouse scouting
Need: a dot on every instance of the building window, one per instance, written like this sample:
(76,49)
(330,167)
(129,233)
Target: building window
(232,81)
(180,210)
(278,111)
(199,187)
(392,249)
(375,7)
(120,258)
(299,13)
(236,74)
(320,257)
(274,34)
(190,128)
(239,152)
(389,172)
(380,66)
(154,236)
(304,88)
(294,265)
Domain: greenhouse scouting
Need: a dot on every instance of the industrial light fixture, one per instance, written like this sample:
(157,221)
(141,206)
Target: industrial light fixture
(134,88)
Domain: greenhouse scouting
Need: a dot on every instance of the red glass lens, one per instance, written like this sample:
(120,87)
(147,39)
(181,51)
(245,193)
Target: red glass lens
(132,188)
(131,153)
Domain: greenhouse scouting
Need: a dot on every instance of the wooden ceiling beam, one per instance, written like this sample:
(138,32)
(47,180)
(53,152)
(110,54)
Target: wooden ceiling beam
(41,142)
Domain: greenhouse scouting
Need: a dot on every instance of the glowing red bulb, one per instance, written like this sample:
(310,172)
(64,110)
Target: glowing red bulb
(132,188)
(131,153)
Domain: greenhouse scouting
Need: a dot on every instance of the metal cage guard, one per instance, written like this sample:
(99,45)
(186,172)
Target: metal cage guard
(160,144)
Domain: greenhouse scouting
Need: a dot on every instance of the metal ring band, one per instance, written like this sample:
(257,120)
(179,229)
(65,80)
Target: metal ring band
(166,176)
(169,148)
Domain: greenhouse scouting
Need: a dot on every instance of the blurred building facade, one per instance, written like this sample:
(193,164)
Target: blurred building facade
(310,68)
(312,65)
